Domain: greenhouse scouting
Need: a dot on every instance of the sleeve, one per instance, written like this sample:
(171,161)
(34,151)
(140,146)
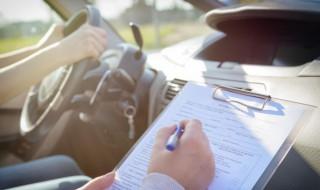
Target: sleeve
(158,181)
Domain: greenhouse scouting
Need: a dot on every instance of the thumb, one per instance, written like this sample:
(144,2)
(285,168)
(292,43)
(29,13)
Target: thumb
(101,182)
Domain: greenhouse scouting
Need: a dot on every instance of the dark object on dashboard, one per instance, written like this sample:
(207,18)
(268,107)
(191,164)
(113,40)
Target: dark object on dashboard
(267,33)
(298,11)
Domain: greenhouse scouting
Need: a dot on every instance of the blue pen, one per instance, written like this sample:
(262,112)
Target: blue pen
(173,139)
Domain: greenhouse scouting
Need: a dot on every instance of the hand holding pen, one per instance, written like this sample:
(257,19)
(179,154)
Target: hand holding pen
(190,162)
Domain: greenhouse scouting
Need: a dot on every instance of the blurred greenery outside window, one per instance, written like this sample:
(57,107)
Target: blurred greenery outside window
(20,26)
(162,22)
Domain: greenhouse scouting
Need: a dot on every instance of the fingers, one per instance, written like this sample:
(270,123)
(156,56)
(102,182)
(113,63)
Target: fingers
(101,182)
(191,128)
(193,133)
(96,40)
(96,48)
(163,135)
(99,35)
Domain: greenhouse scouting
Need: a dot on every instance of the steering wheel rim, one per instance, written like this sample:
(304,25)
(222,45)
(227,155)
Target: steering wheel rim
(34,125)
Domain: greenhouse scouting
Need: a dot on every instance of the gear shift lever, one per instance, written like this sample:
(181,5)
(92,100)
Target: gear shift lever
(138,38)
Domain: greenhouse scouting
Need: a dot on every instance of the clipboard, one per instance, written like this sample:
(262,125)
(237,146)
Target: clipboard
(283,150)
(287,144)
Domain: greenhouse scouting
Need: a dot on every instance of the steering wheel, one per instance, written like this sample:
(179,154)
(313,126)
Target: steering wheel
(47,100)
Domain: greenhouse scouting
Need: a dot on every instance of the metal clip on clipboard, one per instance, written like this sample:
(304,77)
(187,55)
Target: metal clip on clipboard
(264,98)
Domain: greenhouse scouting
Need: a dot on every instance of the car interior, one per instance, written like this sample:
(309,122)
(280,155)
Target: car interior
(86,110)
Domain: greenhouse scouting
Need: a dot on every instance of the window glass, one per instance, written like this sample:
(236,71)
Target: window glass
(23,23)
(162,22)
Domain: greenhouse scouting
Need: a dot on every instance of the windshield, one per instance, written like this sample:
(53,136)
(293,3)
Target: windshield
(162,22)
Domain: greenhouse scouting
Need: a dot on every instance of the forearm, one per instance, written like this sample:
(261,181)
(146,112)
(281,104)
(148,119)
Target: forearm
(9,58)
(86,42)
(53,35)
(19,76)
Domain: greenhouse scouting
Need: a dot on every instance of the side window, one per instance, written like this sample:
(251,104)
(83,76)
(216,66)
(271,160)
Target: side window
(23,23)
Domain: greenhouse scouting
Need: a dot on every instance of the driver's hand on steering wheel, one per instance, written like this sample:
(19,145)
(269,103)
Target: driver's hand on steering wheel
(86,42)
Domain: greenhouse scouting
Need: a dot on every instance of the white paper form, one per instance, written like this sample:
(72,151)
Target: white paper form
(243,141)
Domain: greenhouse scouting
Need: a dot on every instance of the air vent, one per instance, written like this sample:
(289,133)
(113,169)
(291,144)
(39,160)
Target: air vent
(173,88)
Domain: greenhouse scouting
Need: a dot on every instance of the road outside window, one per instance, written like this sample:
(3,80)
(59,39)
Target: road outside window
(23,23)
(162,22)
